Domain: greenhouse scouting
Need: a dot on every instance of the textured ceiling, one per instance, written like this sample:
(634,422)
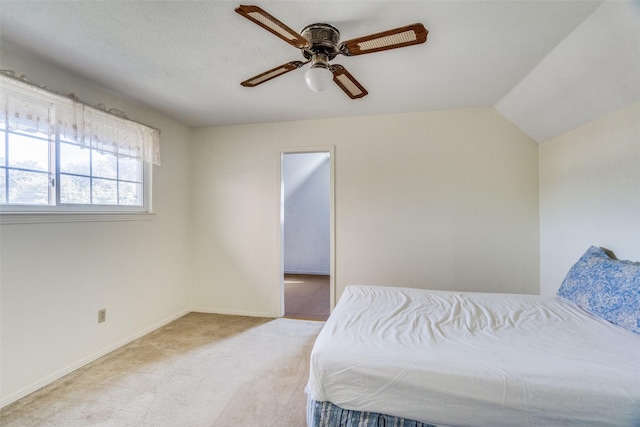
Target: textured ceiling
(592,72)
(186,59)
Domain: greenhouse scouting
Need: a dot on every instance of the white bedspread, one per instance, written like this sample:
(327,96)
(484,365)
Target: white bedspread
(471,359)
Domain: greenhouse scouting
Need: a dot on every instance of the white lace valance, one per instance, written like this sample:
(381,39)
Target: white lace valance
(29,108)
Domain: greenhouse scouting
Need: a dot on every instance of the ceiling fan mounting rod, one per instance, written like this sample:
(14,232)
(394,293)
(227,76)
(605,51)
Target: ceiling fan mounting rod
(320,60)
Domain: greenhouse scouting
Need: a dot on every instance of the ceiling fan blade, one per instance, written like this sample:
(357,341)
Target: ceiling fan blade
(271,24)
(273,73)
(347,83)
(391,39)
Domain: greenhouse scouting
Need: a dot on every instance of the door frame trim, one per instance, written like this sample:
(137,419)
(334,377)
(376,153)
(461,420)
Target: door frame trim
(280,213)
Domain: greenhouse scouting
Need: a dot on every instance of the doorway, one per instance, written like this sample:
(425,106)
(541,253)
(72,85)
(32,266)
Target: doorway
(306,233)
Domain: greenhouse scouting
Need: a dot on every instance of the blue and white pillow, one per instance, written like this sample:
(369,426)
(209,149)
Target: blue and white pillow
(606,287)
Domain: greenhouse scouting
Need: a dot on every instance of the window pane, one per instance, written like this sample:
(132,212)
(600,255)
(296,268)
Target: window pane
(3,185)
(74,159)
(28,153)
(3,158)
(105,192)
(130,194)
(130,169)
(28,187)
(105,165)
(75,189)
(85,176)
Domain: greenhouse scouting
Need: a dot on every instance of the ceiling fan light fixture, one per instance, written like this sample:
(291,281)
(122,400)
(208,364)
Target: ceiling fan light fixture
(318,78)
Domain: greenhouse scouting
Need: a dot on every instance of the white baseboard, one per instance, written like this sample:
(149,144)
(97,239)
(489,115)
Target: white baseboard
(51,378)
(234,312)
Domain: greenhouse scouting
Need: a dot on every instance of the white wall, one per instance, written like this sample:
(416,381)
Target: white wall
(55,276)
(438,200)
(590,194)
(306,242)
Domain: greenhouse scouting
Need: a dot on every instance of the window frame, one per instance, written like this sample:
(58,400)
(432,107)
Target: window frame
(70,212)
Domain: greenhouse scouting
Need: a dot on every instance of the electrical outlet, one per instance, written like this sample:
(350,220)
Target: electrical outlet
(102,315)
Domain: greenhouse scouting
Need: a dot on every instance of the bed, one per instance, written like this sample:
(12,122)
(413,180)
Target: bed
(416,358)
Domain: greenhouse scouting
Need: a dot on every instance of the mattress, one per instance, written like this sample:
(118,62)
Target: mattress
(472,359)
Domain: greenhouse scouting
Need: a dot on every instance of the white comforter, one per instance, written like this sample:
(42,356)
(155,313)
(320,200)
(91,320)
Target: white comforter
(470,359)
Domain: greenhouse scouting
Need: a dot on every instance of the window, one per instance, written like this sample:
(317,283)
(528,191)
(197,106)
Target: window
(36,171)
(59,155)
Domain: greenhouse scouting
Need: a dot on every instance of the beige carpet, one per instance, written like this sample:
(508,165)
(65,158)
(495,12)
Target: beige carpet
(306,296)
(201,370)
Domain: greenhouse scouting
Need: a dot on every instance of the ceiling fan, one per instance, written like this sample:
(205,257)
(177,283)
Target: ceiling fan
(320,43)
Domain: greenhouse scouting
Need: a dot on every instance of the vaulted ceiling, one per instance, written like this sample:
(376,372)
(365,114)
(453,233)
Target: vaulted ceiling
(548,66)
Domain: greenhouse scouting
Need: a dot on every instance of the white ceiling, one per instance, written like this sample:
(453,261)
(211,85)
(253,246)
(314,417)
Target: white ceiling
(548,66)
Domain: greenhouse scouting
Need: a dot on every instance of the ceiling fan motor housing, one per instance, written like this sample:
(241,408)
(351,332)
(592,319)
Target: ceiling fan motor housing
(323,40)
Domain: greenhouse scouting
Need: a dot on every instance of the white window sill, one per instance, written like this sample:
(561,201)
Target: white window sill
(52,217)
